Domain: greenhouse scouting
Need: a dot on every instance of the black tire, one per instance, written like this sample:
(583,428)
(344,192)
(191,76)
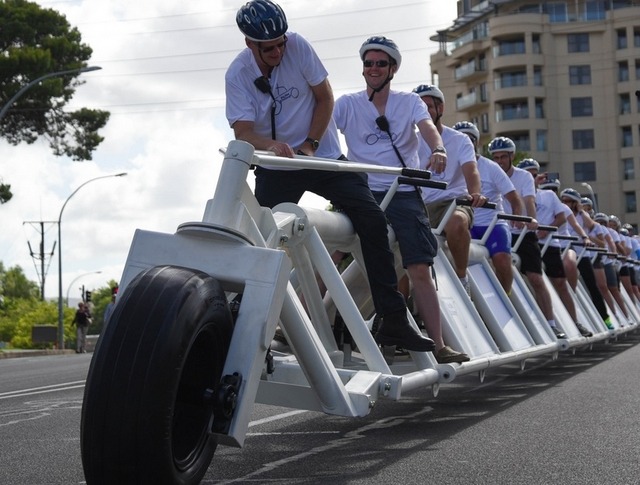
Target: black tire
(145,418)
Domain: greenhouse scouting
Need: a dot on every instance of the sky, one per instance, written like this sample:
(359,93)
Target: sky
(162,79)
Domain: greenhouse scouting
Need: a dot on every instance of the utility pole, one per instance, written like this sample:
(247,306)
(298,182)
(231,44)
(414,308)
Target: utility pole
(40,255)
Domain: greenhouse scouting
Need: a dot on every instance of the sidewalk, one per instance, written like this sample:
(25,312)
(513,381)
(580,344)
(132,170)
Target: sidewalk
(13,353)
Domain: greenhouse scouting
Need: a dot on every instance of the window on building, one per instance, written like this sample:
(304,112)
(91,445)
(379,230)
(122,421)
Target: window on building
(625,103)
(511,79)
(535,44)
(628,169)
(578,42)
(579,75)
(622,38)
(539,109)
(517,110)
(636,37)
(626,136)
(583,139)
(594,10)
(623,71)
(484,125)
(483,92)
(522,141)
(581,107)
(537,76)
(630,203)
(557,11)
(541,140)
(637,70)
(509,47)
(584,171)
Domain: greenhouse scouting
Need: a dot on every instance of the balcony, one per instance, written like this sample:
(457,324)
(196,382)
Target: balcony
(470,70)
(469,101)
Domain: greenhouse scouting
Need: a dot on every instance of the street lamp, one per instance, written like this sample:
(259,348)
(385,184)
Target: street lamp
(593,196)
(60,299)
(15,97)
(76,279)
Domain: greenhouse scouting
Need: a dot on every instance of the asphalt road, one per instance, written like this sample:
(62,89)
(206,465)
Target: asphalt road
(570,421)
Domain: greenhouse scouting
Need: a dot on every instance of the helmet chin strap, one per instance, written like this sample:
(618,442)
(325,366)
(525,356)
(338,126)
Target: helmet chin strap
(379,88)
(437,103)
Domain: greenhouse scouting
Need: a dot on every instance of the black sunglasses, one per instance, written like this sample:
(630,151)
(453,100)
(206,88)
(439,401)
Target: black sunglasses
(381,63)
(280,46)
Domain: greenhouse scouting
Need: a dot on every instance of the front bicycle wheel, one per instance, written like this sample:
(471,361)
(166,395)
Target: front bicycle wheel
(148,410)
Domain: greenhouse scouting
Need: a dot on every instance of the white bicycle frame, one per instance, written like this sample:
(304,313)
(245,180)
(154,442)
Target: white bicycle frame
(271,255)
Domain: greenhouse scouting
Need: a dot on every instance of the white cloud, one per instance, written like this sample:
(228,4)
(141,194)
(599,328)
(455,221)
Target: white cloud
(162,78)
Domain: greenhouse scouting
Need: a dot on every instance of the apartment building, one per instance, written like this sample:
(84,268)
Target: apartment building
(559,78)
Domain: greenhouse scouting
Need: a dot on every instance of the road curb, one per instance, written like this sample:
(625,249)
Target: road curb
(11,354)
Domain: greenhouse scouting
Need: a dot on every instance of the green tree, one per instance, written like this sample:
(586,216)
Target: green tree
(15,284)
(33,42)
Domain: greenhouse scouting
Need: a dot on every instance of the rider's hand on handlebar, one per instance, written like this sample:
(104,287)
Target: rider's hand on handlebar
(280,149)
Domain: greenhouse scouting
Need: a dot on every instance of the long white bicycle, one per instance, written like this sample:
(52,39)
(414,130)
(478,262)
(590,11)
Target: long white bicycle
(175,373)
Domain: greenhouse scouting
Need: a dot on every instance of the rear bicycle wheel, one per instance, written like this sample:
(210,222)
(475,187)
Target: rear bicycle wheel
(148,410)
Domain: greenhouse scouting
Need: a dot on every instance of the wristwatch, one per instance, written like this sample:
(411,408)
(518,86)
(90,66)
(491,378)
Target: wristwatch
(440,149)
(314,143)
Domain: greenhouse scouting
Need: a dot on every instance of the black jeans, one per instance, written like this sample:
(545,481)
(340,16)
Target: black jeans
(586,271)
(349,192)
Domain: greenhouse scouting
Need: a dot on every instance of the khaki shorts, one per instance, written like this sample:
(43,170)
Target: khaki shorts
(438,209)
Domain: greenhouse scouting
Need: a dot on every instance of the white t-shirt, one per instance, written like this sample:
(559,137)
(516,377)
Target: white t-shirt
(566,229)
(355,116)
(525,186)
(495,184)
(460,151)
(291,83)
(547,207)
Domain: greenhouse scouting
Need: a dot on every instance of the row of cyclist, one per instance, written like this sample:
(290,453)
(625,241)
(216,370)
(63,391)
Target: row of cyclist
(563,237)
(262,112)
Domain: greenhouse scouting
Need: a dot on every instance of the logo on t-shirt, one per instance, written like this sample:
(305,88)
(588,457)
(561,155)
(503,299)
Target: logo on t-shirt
(282,94)
(373,138)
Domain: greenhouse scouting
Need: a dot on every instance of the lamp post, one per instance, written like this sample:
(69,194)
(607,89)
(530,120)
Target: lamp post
(60,296)
(15,97)
(76,279)
(593,196)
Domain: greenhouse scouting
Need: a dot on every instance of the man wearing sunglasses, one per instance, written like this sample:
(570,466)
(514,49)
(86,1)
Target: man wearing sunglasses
(379,128)
(279,99)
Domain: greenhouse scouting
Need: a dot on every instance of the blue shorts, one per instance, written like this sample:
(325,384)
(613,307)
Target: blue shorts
(407,217)
(499,241)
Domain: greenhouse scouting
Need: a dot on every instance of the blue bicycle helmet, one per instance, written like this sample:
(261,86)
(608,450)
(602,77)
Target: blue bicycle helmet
(262,20)
(586,201)
(467,127)
(381,43)
(572,194)
(429,90)
(529,164)
(502,144)
(615,219)
(553,184)
(601,217)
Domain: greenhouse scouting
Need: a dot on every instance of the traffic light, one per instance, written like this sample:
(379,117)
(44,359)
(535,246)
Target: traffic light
(87,296)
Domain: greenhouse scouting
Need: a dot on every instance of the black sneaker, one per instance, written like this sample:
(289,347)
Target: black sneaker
(396,330)
(559,333)
(583,330)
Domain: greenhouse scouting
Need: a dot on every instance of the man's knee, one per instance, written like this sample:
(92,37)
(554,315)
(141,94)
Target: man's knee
(458,225)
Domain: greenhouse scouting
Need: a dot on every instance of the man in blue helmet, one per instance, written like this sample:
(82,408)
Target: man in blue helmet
(463,181)
(503,151)
(279,99)
(497,186)
(379,128)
